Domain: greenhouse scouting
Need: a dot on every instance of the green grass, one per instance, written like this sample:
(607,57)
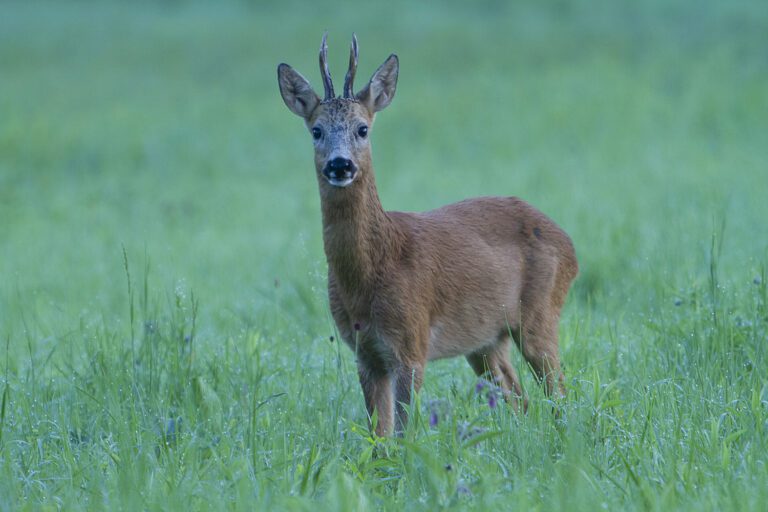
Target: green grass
(163,320)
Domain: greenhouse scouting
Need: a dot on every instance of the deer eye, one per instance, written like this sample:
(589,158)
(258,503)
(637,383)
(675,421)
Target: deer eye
(316,133)
(362,131)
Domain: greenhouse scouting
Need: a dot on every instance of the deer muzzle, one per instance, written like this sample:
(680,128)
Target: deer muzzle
(340,172)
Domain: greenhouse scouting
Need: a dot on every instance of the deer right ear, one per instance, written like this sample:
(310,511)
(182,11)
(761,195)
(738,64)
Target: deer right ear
(296,91)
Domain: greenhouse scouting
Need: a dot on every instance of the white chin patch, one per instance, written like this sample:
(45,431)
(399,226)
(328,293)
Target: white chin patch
(344,182)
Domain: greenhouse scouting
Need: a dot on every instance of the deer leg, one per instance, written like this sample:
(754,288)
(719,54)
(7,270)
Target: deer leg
(493,363)
(539,346)
(408,378)
(377,390)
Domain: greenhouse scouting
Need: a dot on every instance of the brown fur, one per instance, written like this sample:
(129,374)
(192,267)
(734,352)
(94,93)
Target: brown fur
(407,288)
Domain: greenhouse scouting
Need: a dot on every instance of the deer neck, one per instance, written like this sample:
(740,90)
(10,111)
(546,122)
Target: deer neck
(358,235)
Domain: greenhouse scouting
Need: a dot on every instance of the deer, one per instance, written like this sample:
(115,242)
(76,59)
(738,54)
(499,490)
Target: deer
(408,288)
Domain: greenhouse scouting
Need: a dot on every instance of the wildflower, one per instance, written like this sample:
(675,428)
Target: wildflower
(491,390)
(438,409)
(357,326)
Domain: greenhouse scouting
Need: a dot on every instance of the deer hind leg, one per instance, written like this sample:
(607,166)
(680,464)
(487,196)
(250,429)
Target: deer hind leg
(537,340)
(492,362)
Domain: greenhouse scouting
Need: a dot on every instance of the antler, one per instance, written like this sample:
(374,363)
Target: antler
(348,92)
(327,83)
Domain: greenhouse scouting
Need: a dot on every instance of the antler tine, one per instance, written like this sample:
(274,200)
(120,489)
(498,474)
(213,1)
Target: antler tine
(327,83)
(350,78)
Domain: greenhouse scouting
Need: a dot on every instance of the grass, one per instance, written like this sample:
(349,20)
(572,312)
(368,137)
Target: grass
(163,317)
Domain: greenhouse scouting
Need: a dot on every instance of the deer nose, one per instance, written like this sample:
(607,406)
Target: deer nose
(340,164)
(340,171)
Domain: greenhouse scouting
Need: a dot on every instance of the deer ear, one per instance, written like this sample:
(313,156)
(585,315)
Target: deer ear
(296,91)
(381,88)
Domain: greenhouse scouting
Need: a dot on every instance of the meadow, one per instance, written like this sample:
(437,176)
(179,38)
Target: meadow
(165,340)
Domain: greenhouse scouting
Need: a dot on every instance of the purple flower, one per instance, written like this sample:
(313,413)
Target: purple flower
(438,410)
(357,326)
(480,386)
(492,400)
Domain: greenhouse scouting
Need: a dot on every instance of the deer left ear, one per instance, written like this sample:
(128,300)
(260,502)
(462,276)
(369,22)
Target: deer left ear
(378,94)
(296,91)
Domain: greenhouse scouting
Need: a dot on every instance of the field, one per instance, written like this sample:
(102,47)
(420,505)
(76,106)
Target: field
(165,340)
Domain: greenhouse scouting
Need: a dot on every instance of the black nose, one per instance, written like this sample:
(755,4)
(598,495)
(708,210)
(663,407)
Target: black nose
(340,164)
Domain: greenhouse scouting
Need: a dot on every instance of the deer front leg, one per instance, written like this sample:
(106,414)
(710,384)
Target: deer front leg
(377,390)
(408,378)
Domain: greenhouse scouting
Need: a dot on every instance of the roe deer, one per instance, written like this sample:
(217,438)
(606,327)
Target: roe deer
(407,288)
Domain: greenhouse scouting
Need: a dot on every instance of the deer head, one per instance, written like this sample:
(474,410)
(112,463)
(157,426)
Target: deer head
(339,126)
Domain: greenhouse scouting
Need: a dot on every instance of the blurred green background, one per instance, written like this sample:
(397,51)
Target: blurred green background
(638,126)
(157,127)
